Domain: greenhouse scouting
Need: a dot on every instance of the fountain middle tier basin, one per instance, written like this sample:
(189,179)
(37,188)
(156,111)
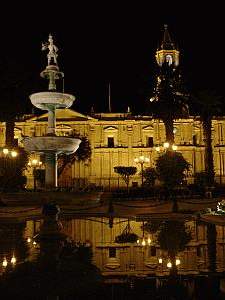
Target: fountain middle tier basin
(49,100)
(56,144)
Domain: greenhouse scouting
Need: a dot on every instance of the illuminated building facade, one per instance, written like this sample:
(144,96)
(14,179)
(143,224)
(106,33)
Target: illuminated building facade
(118,138)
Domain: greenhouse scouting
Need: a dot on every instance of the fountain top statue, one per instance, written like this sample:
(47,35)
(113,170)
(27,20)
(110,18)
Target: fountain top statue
(52,54)
(51,72)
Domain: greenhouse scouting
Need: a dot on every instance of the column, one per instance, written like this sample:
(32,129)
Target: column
(51,121)
(51,170)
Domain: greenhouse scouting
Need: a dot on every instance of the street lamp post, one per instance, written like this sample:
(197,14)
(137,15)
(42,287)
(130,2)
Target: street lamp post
(34,163)
(142,160)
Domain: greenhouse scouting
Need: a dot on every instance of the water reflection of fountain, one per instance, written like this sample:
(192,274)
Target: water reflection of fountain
(62,269)
(51,145)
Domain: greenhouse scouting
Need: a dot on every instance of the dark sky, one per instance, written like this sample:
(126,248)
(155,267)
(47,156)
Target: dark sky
(112,43)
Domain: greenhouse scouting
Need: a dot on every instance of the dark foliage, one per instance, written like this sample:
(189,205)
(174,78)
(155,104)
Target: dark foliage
(127,236)
(83,153)
(151,226)
(171,168)
(150,176)
(170,99)
(11,171)
(71,277)
(208,105)
(173,236)
(12,241)
(125,173)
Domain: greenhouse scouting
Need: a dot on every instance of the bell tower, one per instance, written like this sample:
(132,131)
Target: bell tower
(167,50)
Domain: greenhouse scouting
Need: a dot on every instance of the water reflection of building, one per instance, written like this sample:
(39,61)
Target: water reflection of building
(128,259)
(118,138)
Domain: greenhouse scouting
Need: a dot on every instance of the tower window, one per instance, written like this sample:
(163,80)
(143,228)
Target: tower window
(111,142)
(149,142)
(112,252)
(169,59)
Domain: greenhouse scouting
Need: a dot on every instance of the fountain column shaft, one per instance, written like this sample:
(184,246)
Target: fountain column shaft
(51,122)
(51,170)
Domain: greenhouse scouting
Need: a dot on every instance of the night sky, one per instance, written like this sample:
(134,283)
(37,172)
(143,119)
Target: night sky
(111,43)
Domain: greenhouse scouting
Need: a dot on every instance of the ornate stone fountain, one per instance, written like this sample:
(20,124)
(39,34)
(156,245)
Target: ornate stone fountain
(51,145)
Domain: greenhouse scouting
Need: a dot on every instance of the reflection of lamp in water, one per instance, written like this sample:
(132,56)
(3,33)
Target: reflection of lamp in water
(144,241)
(169,264)
(13,260)
(160,260)
(4,263)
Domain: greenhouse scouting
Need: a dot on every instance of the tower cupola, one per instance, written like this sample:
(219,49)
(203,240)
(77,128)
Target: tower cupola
(167,50)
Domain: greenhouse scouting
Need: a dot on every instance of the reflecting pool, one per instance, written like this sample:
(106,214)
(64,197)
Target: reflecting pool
(129,257)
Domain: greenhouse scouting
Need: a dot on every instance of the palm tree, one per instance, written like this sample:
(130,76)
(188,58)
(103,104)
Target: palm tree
(208,105)
(169,101)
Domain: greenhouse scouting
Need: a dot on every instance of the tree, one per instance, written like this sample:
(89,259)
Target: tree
(150,176)
(171,168)
(125,173)
(173,237)
(12,168)
(169,99)
(13,88)
(83,153)
(208,104)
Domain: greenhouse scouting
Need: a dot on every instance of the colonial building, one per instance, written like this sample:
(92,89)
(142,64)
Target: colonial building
(118,138)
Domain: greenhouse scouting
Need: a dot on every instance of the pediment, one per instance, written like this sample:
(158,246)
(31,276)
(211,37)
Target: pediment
(63,115)
(63,127)
(148,128)
(110,128)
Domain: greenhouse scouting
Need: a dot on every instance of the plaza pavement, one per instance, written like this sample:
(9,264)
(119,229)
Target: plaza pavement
(25,206)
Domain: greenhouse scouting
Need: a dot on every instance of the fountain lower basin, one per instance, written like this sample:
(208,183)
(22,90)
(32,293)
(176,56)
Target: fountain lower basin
(45,100)
(56,144)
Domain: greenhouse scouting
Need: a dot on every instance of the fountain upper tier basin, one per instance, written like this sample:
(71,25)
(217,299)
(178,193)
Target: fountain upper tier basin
(49,100)
(55,144)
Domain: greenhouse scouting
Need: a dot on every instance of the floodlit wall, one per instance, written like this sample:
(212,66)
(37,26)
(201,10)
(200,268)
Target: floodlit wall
(117,140)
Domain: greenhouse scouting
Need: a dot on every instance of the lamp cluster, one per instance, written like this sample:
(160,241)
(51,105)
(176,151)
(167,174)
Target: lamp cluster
(169,264)
(9,153)
(12,261)
(144,241)
(141,159)
(165,147)
(34,163)
(29,241)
